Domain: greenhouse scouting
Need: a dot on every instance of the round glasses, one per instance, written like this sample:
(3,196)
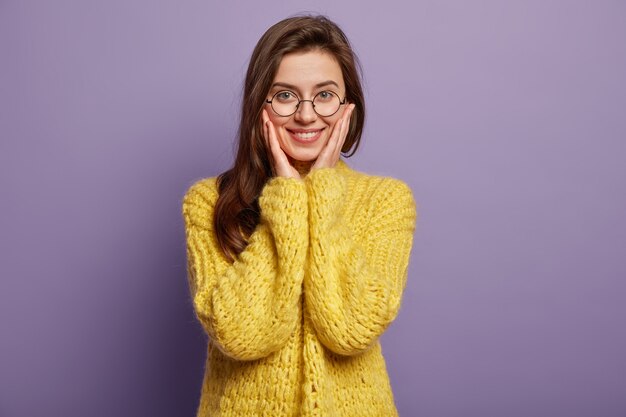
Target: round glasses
(325,103)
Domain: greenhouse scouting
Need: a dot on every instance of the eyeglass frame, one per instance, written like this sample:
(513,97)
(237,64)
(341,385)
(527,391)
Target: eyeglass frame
(341,102)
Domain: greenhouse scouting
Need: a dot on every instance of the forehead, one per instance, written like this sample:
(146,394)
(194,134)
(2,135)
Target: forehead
(306,69)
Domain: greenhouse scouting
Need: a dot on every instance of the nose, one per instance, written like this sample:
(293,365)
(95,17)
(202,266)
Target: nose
(305,112)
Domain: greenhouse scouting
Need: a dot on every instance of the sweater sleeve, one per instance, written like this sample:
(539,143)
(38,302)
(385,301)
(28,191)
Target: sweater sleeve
(249,308)
(357,274)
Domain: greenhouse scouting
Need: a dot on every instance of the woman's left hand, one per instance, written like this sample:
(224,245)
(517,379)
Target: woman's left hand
(278,159)
(329,156)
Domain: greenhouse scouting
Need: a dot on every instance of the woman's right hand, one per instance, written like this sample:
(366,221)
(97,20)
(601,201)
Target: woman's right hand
(280,163)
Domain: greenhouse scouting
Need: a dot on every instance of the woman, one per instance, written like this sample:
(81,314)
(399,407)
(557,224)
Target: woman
(296,262)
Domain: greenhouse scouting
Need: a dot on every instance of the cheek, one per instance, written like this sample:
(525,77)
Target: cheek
(276,120)
(332,121)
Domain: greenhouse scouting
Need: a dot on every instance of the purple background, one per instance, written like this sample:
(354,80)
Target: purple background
(506,118)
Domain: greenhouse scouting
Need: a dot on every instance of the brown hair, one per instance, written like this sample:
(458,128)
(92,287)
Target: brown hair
(237,208)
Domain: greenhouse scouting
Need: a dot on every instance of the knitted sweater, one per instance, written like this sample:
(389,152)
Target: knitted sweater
(294,322)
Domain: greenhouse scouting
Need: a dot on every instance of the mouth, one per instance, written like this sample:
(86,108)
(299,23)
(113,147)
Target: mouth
(305,136)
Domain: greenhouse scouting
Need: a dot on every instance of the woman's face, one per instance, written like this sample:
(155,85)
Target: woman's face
(302,135)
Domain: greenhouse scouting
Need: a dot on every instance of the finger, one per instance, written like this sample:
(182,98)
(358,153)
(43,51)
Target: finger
(266,135)
(271,138)
(345,127)
(279,156)
(264,116)
(334,134)
(330,153)
(269,148)
(335,138)
(329,149)
(342,129)
(345,120)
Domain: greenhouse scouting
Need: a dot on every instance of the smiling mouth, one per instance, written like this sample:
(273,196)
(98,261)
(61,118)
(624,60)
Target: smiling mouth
(305,136)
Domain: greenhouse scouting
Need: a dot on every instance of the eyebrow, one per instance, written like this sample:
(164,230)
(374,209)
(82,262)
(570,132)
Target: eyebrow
(318,85)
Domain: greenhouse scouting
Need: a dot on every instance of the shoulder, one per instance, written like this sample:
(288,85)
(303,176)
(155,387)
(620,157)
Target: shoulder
(201,192)
(198,202)
(378,188)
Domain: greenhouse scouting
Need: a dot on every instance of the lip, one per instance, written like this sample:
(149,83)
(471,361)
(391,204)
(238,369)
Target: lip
(293,133)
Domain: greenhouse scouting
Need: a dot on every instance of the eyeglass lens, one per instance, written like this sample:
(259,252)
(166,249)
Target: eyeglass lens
(325,103)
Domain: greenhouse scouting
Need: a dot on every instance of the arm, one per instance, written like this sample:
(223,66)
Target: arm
(249,308)
(357,275)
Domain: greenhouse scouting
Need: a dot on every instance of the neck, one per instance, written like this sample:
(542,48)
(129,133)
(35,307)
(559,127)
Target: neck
(303,167)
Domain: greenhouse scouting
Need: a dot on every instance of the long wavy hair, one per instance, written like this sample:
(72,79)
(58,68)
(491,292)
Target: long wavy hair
(237,210)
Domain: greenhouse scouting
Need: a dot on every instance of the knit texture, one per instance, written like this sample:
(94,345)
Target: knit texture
(294,322)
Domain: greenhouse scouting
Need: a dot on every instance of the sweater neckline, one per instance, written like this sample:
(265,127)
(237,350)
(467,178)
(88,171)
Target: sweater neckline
(342,164)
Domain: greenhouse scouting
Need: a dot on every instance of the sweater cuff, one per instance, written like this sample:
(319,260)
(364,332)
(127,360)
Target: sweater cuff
(283,201)
(326,189)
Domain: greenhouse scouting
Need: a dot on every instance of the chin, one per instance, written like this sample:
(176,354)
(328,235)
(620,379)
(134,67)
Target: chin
(302,153)
(310,156)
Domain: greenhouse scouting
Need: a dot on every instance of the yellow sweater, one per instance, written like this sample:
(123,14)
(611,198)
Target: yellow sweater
(293,323)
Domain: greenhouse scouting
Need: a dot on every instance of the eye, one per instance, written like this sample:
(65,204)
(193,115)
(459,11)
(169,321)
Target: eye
(285,96)
(325,96)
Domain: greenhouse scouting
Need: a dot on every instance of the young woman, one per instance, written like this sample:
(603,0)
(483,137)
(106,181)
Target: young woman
(296,262)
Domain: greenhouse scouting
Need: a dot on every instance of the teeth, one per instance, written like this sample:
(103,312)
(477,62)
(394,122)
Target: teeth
(307,135)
